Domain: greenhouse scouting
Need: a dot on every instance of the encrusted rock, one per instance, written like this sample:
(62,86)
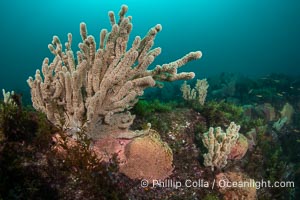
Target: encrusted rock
(236,186)
(148,157)
(240,148)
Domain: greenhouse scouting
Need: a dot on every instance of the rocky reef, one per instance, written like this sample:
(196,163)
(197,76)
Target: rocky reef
(92,134)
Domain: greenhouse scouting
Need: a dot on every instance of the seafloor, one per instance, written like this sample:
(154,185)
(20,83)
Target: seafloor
(32,168)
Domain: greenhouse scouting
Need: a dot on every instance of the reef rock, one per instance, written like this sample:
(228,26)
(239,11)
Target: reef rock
(288,112)
(240,148)
(236,186)
(148,157)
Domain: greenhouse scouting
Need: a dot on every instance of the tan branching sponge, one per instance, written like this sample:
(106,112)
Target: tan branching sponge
(198,93)
(96,89)
(219,144)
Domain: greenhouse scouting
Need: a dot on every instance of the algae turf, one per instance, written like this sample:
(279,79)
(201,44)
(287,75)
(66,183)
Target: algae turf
(145,108)
(25,136)
(220,113)
(30,168)
(153,112)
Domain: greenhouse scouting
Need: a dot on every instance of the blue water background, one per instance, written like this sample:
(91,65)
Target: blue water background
(251,37)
